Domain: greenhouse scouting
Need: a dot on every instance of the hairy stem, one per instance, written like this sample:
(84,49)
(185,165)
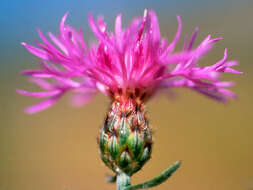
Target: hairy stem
(157,180)
(123,180)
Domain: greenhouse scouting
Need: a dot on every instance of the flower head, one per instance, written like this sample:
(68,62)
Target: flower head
(132,61)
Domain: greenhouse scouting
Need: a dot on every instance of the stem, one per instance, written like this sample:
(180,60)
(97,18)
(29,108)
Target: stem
(157,180)
(123,180)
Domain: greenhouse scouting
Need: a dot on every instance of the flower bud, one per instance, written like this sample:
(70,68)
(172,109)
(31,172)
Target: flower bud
(125,139)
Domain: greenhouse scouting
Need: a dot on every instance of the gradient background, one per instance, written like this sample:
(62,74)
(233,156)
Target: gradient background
(56,149)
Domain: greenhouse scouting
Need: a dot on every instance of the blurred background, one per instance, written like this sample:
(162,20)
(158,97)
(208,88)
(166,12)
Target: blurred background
(57,149)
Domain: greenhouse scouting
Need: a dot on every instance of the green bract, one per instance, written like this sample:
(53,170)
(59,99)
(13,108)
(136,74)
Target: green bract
(125,139)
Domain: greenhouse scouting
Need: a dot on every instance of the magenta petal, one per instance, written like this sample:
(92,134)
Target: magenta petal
(211,94)
(41,83)
(177,36)
(58,43)
(227,93)
(224,84)
(154,26)
(101,36)
(230,70)
(37,73)
(118,32)
(231,63)
(135,57)
(42,105)
(221,62)
(38,94)
(81,99)
(118,29)
(35,51)
(62,24)
(194,35)
(47,43)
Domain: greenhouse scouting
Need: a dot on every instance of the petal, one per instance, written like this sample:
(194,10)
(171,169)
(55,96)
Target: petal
(224,84)
(118,27)
(172,45)
(154,26)
(36,51)
(221,62)
(38,94)
(37,73)
(41,83)
(230,70)
(227,93)
(194,35)
(62,23)
(58,43)
(81,99)
(101,36)
(42,105)
(211,94)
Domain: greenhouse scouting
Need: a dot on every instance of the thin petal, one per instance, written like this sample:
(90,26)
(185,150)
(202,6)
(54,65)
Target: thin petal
(58,43)
(41,83)
(154,26)
(62,24)
(81,99)
(194,35)
(101,36)
(38,94)
(172,45)
(36,51)
(42,105)
(118,29)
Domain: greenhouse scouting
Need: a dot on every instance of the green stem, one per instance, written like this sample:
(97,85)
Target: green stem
(123,180)
(157,180)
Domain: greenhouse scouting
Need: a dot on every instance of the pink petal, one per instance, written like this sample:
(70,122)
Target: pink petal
(36,51)
(81,99)
(42,105)
(58,43)
(38,94)
(42,83)
(194,35)
(176,38)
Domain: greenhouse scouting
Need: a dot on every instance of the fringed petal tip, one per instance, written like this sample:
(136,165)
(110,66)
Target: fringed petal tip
(64,18)
(179,20)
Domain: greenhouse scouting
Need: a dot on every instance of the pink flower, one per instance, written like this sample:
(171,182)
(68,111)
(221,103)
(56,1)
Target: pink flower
(136,59)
